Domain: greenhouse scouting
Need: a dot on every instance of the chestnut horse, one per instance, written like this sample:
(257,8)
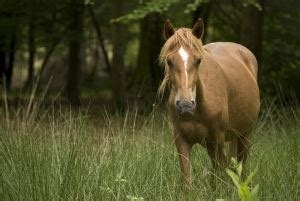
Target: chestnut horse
(214,96)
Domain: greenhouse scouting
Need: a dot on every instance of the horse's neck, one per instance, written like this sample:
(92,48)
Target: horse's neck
(200,88)
(211,87)
(200,93)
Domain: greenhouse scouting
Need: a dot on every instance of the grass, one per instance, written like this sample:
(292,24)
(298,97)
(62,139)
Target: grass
(59,155)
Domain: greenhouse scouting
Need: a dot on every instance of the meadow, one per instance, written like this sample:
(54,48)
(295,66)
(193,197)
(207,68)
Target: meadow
(59,154)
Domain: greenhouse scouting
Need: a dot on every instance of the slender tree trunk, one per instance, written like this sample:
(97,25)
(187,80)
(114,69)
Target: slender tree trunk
(100,37)
(2,64)
(47,56)
(2,58)
(155,43)
(148,73)
(252,29)
(76,34)
(118,66)
(56,40)
(96,60)
(7,49)
(11,58)
(31,44)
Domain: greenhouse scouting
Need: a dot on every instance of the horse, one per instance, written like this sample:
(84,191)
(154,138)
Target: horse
(213,95)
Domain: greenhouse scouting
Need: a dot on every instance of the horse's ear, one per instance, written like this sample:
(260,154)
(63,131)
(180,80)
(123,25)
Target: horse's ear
(168,29)
(198,28)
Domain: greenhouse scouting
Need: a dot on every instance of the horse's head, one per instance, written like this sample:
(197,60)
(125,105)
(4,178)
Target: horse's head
(181,56)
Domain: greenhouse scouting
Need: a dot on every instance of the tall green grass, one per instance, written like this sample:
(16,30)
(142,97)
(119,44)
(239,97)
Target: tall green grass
(60,155)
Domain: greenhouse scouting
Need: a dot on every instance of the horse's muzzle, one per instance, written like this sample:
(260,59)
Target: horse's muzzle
(186,108)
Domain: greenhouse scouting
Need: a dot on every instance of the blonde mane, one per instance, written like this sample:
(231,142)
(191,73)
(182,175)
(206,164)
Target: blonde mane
(182,37)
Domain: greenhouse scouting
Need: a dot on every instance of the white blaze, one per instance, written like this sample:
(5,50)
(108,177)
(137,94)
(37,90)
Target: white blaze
(194,94)
(184,56)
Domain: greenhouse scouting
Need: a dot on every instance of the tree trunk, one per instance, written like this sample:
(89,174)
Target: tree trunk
(76,10)
(100,37)
(47,57)
(252,29)
(31,44)
(11,58)
(202,11)
(7,49)
(96,60)
(118,66)
(2,64)
(148,73)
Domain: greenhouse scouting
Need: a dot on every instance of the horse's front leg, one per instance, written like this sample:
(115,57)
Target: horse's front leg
(218,159)
(184,149)
(215,148)
(216,154)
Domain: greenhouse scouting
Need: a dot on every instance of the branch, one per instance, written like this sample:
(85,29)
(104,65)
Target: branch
(100,37)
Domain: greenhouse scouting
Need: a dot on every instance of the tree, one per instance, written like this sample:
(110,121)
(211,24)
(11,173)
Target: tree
(8,37)
(118,67)
(281,54)
(100,38)
(31,41)
(76,10)
(203,11)
(11,59)
(148,72)
(252,28)
(2,62)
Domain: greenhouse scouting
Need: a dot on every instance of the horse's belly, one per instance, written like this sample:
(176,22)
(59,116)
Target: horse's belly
(193,131)
(243,107)
(243,99)
(243,117)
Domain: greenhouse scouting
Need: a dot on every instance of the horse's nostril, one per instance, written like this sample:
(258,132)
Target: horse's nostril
(178,103)
(193,102)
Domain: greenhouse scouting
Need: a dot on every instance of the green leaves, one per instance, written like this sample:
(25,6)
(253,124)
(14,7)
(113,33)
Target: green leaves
(89,2)
(235,178)
(244,191)
(144,9)
(193,6)
(254,193)
(158,6)
(255,3)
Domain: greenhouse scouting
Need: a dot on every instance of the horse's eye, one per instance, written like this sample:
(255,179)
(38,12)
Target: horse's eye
(197,61)
(169,62)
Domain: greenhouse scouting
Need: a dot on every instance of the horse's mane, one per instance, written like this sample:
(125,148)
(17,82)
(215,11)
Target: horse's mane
(182,37)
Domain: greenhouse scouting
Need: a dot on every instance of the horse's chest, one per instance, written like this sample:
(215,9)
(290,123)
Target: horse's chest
(193,131)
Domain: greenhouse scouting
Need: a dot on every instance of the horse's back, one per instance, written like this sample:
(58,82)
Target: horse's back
(229,52)
(239,66)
